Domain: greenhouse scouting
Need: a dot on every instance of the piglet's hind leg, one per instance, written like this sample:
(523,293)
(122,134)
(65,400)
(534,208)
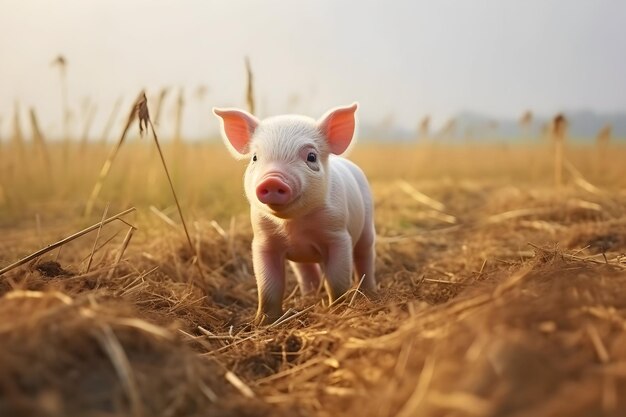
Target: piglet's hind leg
(338,267)
(308,275)
(364,262)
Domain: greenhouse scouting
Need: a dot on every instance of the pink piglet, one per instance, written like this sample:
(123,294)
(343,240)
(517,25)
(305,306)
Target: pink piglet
(308,206)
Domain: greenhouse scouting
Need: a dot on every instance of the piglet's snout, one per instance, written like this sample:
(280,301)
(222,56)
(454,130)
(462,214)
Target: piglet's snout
(274,191)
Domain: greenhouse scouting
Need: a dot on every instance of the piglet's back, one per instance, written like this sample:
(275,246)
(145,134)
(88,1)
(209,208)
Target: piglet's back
(349,180)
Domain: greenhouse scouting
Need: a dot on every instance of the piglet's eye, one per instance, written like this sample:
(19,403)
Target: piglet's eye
(254,158)
(311,157)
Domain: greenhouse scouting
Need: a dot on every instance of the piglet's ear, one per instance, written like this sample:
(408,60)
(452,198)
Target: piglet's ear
(338,128)
(237,129)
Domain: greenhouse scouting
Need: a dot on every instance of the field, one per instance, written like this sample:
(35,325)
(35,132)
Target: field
(500,294)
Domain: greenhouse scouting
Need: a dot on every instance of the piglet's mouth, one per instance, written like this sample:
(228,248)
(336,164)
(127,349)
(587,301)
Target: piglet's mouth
(282,210)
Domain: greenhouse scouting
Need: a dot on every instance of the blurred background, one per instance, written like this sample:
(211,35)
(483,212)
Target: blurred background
(464,69)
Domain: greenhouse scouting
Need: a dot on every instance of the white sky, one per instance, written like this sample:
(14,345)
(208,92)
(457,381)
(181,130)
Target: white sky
(405,58)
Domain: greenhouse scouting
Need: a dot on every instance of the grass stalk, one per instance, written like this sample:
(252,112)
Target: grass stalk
(95,242)
(89,118)
(111,120)
(178,119)
(120,254)
(40,142)
(106,168)
(250,88)
(558,138)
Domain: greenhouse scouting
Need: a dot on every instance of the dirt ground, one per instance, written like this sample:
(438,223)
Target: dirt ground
(499,296)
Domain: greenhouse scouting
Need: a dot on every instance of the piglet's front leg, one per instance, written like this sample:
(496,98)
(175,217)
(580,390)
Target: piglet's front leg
(338,266)
(269,270)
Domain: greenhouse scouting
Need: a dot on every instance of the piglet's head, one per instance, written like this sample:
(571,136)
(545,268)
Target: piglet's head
(288,171)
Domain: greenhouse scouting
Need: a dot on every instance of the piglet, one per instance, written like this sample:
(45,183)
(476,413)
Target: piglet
(308,206)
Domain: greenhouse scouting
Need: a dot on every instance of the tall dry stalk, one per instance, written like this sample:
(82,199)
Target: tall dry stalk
(559,127)
(153,169)
(385,126)
(546,131)
(111,120)
(250,88)
(525,124)
(604,138)
(17,138)
(448,130)
(61,63)
(90,114)
(178,150)
(159,105)
(143,114)
(157,122)
(424,128)
(602,145)
(39,142)
(178,117)
(200,95)
(106,168)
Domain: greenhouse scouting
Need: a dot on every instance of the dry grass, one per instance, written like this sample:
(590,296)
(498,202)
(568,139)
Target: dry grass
(515,307)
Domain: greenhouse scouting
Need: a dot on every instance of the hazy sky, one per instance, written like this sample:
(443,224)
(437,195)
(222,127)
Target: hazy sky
(405,58)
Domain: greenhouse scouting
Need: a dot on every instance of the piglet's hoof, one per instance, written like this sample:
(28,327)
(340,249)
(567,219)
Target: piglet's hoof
(263,319)
(371,293)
